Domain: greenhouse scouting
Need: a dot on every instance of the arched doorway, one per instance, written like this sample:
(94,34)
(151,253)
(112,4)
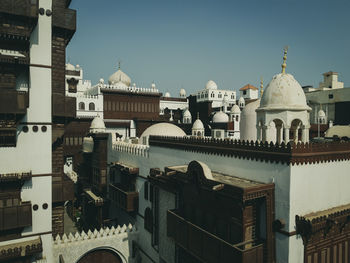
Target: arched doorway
(100,256)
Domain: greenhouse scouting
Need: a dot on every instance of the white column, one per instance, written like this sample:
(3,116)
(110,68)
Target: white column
(286,135)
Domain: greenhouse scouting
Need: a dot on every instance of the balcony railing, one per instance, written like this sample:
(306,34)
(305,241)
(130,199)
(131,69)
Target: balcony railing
(208,247)
(64,18)
(62,191)
(16,216)
(13,101)
(28,8)
(125,200)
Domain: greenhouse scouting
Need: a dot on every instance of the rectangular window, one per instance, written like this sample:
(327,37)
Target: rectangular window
(330,96)
(117,106)
(8,138)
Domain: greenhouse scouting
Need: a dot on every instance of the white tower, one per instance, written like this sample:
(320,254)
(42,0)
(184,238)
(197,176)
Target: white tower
(283,114)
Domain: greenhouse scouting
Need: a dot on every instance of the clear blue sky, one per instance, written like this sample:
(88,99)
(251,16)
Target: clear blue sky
(184,43)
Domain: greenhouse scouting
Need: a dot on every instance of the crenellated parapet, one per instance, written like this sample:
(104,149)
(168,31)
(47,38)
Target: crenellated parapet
(128,89)
(72,247)
(102,233)
(290,153)
(131,148)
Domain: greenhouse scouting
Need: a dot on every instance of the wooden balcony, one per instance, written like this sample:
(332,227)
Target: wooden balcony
(16,216)
(65,19)
(208,247)
(125,200)
(62,190)
(14,57)
(27,8)
(63,106)
(13,101)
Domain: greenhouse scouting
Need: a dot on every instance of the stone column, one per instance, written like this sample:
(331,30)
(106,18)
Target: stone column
(286,135)
(258,132)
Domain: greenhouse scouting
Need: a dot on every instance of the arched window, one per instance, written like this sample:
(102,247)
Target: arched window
(81,106)
(91,106)
(237,118)
(148,220)
(199,133)
(220,96)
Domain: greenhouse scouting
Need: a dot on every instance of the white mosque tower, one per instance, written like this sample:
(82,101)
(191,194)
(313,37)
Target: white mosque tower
(283,114)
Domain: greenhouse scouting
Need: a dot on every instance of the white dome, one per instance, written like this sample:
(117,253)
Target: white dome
(182,93)
(102,81)
(119,76)
(284,93)
(167,95)
(69,67)
(97,125)
(187,114)
(211,85)
(220,117)
(163,129)
(247,125)
(198,125)
(241,100)
(235,109)
(321,114)
(153,85)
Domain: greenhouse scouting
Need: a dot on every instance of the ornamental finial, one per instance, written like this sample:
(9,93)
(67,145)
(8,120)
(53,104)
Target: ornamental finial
(119,62)
(261,87)
(284,65)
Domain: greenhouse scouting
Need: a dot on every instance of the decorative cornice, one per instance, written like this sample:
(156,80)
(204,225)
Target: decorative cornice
(102,233)
(290,153)
(318,226)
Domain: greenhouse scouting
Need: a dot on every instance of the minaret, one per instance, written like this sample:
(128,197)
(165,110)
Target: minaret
(284,65)
(261,87)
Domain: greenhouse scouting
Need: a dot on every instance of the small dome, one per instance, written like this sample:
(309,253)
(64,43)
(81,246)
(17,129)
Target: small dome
(162,129)
(182,93)
(283,93)
(97,125)
(69,67)
(241,100)
(134,85)
(247,125)
(235,109)
(77,66)
(119,76)
(321,114)
(187,114)
(153,85)
(220,117)
(167,95)
(211,85)
(102,81)
(198,125)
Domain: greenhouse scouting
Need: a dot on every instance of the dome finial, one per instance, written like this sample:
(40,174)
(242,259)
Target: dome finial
(284,65)
(261,86)
(197,115)
(119,62)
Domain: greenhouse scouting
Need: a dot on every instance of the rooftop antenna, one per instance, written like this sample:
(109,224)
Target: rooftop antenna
(261,86)
(284,65)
